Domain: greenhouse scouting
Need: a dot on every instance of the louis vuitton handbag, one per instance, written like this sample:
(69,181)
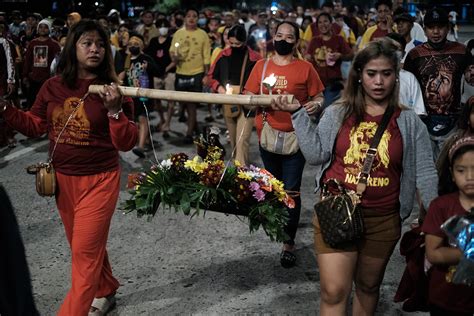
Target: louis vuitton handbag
(45,174)
(339,214)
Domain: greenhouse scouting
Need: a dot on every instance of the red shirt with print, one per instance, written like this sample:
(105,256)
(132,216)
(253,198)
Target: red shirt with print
(298,78)
(453,297)
(318,48)
(352,142)
(90,141)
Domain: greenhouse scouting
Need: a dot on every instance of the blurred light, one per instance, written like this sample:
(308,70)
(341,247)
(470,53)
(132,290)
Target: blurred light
(96,3)
(79,4)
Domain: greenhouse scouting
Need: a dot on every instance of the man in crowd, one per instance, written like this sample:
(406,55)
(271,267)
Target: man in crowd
(439,65)
(147,29)
(404,24)
(384,23)
(38,58)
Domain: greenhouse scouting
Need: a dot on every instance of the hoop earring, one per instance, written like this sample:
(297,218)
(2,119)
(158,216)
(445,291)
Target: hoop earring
(359,81)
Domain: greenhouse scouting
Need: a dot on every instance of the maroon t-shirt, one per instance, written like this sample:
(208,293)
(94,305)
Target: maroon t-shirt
(319,49)
(352,142)
(38,59)
(90,141)
(453,297)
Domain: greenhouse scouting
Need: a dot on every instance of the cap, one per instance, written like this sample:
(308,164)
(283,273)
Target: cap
(460,143)
(404,17)
(46,22)
(436,16)
(262,13)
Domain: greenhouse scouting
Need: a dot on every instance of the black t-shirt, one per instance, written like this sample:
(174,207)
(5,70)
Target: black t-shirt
(439,73)
(160,52)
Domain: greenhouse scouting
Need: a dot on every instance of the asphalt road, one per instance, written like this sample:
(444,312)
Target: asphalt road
(207,265)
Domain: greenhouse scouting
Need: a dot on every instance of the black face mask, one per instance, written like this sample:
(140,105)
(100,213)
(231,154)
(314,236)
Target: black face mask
(134,50)
(283,48)
(437,46)
(238,50)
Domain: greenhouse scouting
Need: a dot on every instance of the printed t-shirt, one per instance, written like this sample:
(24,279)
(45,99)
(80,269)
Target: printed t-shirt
(194,48)
(319,49)
(439,73)
(453,297)
(38,59)
(85,147)
(372,33)
(160,54)
(312,31)
(298,78)
(383,187)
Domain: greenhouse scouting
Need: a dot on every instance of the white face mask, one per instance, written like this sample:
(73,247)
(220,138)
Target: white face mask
(163,31)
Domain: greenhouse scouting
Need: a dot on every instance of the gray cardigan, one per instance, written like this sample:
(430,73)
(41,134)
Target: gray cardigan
(317,139)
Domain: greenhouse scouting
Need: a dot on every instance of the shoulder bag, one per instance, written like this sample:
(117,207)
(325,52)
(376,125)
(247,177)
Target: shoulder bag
(44,171)
(338,212)
(233,110)
(273,140)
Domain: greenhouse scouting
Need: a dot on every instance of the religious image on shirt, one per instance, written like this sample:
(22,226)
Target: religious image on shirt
(40,56)
(322,57)
(359,138)
(438,83)
(78,129)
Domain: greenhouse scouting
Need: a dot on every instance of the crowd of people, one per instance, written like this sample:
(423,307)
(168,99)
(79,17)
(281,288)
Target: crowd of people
(348,69)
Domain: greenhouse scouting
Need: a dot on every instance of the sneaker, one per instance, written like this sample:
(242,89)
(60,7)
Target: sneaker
(139,152)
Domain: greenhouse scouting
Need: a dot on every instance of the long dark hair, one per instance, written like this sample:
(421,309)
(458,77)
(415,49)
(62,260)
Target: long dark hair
(353,95)
(68,61)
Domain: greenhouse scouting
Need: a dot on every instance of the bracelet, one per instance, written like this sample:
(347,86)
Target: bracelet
(115,116)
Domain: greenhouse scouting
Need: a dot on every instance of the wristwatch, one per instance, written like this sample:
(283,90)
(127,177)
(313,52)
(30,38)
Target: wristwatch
(115,116)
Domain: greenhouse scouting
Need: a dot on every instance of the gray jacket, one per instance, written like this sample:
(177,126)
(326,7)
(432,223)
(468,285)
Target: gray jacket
(317,139)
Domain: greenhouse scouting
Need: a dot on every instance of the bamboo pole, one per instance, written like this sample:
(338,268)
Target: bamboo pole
(196,97)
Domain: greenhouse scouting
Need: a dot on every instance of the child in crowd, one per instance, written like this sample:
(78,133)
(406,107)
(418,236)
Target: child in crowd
(446,298)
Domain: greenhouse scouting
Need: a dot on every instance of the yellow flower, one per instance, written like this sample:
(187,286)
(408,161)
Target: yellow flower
(196,165)
(277,185)
(237,163)
(243,175)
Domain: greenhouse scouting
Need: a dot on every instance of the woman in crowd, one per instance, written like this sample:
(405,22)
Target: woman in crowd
(233,67)
(337,144)
(88,130)
(326,52)
(297,77)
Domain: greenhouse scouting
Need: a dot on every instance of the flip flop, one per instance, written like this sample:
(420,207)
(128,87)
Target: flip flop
(102,306)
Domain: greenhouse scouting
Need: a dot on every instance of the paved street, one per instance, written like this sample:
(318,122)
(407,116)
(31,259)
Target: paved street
(176,265)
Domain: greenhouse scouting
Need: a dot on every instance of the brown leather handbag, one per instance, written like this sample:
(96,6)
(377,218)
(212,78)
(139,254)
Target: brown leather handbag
(45,178)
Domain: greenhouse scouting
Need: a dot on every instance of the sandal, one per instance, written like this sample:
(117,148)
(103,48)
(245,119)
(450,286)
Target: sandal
(287,259)
(102,306)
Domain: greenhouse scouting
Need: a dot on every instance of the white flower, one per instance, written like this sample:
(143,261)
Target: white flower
(165,164)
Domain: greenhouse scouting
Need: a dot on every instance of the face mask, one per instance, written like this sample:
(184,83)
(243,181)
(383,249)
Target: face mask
(134,50)
(202,22)
(238,50)
(283,48)
(163,31)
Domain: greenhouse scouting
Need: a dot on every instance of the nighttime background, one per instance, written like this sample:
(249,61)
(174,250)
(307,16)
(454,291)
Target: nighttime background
(129,8)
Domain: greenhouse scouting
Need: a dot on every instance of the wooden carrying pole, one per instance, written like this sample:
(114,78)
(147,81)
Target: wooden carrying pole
(195,97)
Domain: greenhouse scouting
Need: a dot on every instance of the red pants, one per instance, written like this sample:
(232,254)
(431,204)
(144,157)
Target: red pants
(86,205)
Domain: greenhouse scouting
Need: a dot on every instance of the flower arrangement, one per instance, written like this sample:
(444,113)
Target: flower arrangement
(197,184)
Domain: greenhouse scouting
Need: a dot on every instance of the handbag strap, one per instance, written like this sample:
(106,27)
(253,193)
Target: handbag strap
(81,102)
(242,71)
(264,113)
(364,174)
